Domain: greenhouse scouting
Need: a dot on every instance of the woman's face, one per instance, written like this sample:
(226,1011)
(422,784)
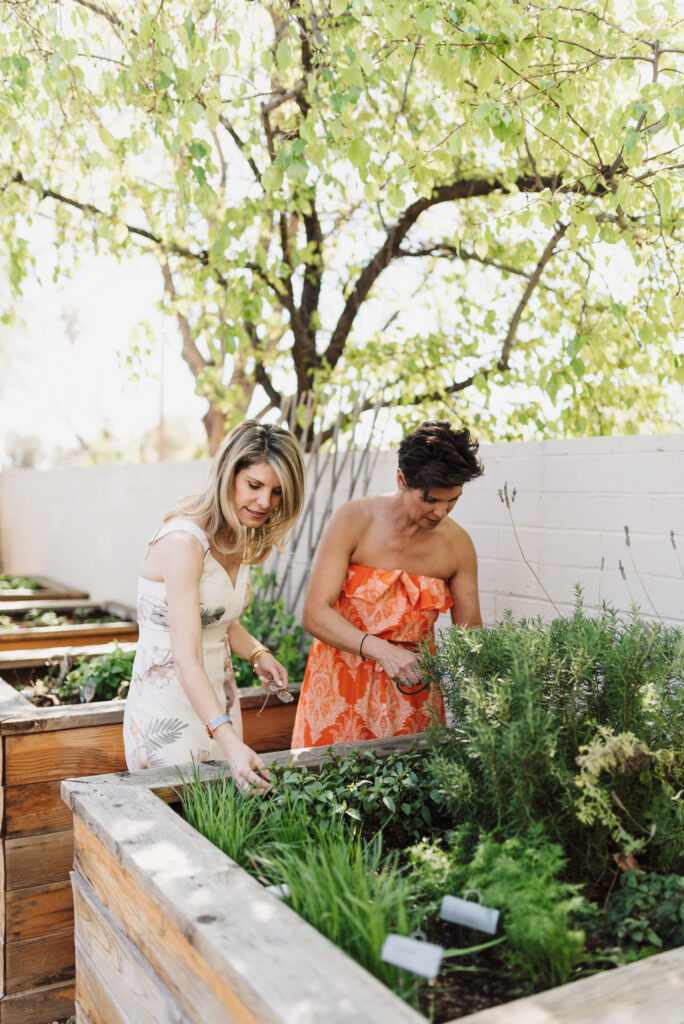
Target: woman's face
(428,508)
(257,494)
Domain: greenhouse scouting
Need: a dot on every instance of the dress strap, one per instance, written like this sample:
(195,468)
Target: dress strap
(181,524)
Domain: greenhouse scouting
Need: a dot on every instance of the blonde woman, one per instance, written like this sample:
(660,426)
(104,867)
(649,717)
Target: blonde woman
(192,589)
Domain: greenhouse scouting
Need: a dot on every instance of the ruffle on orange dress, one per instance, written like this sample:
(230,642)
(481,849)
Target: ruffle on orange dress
(344,698)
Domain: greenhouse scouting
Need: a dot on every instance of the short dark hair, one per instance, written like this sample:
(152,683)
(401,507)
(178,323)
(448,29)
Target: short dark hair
(436,455)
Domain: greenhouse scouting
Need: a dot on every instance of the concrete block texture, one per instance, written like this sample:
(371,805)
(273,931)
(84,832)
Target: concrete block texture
(89,527)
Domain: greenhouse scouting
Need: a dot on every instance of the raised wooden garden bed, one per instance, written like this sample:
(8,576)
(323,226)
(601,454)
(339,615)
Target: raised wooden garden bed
(73,634)
(45,589)
(40,747)
(169,929)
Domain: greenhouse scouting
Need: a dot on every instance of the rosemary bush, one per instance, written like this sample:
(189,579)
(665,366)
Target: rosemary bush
(528,699)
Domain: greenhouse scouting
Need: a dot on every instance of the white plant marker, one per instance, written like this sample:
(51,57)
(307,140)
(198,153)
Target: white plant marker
(281,891)
(412,954)
(466,912)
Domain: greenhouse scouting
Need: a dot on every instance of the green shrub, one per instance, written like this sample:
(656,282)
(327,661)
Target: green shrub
(396,792)
(526,697)
(105,677)
(645,915)
(520,877)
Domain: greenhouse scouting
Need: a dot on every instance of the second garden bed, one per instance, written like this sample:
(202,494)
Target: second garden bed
(39,747)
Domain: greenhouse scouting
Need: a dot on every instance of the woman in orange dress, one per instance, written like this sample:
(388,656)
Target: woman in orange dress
(386,567)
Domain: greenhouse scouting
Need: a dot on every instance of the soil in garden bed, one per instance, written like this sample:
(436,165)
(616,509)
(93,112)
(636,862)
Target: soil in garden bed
(455,993)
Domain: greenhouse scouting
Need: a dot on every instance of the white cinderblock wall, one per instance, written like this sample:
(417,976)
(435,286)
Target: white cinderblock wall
(89,527)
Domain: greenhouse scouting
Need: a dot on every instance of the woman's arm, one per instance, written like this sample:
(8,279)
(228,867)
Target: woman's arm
(463,587)
(335,552)
(267,667)
(181,560)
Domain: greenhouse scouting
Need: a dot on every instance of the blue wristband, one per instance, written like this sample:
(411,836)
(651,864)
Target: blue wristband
(213,725)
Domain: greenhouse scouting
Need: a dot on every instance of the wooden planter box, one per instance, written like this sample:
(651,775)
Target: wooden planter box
(169,929)
(39,747)
(47,589)
(76,635)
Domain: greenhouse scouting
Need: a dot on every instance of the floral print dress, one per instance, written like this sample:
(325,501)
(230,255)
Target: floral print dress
(160,725)
(345,698)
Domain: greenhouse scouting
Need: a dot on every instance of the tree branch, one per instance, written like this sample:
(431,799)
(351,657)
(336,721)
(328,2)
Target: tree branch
(170,249)
(444,248)
(396,233)
(509,340)
(190,353)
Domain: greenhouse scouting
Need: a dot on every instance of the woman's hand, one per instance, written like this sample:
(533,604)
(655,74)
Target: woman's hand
(245,765)
(399,663)
(272,675)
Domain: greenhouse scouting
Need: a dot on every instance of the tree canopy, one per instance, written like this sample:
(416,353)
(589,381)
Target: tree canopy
(440,203)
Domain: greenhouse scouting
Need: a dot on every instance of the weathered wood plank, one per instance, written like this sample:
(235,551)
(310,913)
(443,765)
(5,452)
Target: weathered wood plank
(176,961)
(39,1005)
(66,716)
(38,910)
(94,1002)
(75,636)
(64,753)
(132,993)
(11,702)
(41,961)
(227,943)
(646,992)
(38,859)
(34,809)
(125,612)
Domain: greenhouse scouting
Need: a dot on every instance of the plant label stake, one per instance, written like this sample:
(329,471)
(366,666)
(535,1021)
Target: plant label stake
(472,915)
(413,954)
(281,891)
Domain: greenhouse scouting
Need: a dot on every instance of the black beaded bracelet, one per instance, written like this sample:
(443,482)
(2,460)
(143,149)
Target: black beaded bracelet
(363,639)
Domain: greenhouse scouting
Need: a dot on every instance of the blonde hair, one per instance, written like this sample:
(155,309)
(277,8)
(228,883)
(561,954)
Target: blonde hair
(246,444)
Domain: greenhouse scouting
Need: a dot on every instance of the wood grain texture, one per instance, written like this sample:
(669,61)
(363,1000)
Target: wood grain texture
(175,960)
(42,961)
(38,910)
(132,993)
(63,754)
(74,636)
(38,859)
(220,928)
(34,809)
(647,992)
(39,1005)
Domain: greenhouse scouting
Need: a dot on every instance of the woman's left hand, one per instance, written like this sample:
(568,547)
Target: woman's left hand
(271,673)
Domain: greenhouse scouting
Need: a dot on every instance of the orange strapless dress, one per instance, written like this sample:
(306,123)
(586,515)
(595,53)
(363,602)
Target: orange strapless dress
(344,698)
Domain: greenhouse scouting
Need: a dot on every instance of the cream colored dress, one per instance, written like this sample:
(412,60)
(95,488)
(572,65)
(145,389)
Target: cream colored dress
(160,725)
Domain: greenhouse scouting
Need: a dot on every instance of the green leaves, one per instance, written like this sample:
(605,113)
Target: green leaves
(167,120)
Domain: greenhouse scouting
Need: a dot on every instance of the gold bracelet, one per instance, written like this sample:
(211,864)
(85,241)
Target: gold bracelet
(256,654)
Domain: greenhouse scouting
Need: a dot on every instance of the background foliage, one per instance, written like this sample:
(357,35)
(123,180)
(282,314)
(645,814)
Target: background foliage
(448,201)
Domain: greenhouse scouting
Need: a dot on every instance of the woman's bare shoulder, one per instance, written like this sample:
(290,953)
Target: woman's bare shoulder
(357,512)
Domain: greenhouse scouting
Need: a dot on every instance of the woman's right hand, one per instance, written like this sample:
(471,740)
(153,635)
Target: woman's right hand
(399,663)
(245,765)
